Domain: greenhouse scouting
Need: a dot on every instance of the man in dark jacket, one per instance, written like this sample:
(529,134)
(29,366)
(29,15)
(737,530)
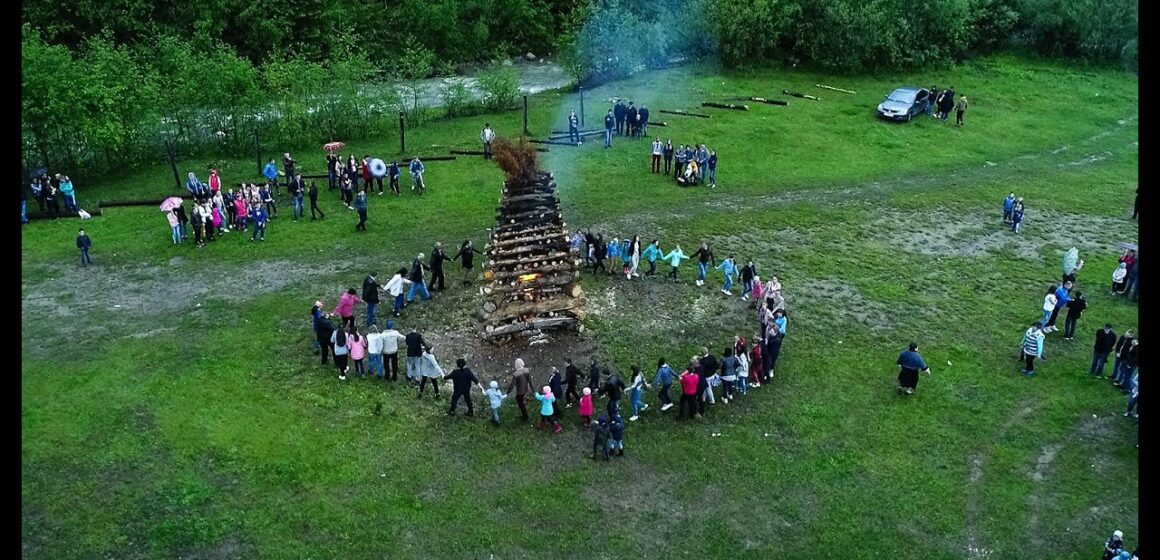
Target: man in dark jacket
(609,123)
(462,379)
(668,151)
(415,346)
(418,284)
(1105,342)
(1074,309)
(313,193)
(1121,348)
(323,328)
(594,376)
(599,254)
(84,242)
(288,166)
(466,255)
(370,295)
(630,120)
(438,257)
(555,381)
(619,111)
(600,435)
(643,114)
(612,388)
(707,367)
(571,381)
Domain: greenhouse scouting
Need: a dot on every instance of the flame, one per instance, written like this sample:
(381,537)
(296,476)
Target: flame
(528,277)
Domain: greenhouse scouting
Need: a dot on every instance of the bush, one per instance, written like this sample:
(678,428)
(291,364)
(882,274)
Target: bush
(500,86)
(457,99)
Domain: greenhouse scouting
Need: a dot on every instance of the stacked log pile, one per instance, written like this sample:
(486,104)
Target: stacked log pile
(533,278)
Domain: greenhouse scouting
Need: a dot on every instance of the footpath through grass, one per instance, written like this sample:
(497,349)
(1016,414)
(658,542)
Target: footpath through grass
(171,407)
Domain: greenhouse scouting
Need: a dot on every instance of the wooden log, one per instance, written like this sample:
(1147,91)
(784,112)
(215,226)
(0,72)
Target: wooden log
(684,113)
(552,256)
(466,152)
(659,123)
(801,95)
(552,142)
(531,214)
(515,311)
(834,88)
(725,106)
(769,101)
(539,324)
(516,241)
(582,131)
(528,222)
(573,290)
(563,267)
(544,196)
(514,235)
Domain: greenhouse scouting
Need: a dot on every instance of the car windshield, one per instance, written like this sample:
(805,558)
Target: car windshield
(902,96)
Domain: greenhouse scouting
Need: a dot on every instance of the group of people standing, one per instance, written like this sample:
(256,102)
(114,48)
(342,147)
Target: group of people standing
(942,103)
(49,192)
(623,120)
(694,164)
(1013,211)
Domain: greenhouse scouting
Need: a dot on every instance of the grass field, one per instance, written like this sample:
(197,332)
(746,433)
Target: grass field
(172,408)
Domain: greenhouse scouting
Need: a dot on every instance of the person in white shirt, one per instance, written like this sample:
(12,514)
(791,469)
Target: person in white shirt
(396,287)
(487,135)
(375,351)
(657,148)
(390,348)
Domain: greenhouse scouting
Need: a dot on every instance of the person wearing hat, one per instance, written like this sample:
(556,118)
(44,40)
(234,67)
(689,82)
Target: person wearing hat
(495,399)
(1114,545)
(418,284)
(462,379)
(548,409)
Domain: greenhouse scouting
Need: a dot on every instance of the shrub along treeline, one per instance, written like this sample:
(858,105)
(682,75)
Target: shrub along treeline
(107,85)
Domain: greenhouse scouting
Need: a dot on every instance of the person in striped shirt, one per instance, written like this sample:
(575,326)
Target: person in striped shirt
(1032,347)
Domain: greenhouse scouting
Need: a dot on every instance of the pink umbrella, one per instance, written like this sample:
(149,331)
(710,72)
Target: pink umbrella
(170,203)
(332,146)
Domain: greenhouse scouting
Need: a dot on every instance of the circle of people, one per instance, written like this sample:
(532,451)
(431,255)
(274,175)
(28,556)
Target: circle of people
(376,353)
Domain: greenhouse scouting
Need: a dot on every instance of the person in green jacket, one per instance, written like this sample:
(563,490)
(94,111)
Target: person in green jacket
(652,253)
(674,258)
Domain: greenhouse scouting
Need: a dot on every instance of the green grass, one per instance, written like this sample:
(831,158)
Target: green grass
(171,407)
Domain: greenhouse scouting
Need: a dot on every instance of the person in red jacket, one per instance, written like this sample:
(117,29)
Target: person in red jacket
(689,382)
(366,175)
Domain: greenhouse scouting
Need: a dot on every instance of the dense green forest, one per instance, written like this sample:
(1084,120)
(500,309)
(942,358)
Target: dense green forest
(106,84)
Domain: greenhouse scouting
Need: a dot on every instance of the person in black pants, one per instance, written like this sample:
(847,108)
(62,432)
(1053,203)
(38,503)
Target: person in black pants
(323,328)
(555,381)
(600,249)
(461,381)
(571,380)
(614,387)
(769,354)
(438,257)
(1136,204)
(594,376)
(1074,308)
(618,112)
(668,151)
(1105,342)
(313,193)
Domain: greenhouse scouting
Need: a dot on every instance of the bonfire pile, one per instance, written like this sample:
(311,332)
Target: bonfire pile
(533,278)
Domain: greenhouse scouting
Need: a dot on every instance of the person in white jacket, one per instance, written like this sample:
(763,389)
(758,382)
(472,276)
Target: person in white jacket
(1049,302)
(390,341)
(487,135)
(396,287)
(375,351)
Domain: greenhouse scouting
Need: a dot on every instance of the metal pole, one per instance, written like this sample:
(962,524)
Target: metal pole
(581,106)
(172,163)
(525,115)
(402,132)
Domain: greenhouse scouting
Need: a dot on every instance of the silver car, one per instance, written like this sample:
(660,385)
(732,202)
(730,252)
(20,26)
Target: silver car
(904,103)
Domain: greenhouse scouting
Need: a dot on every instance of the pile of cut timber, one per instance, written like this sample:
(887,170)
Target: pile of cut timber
(533,277)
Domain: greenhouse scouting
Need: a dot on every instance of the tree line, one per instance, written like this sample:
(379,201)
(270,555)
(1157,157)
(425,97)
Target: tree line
(108,85)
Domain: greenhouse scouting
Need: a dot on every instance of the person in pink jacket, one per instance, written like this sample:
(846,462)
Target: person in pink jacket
(174,226)
(345,308)
(586,407)
(242,212)
(358,351)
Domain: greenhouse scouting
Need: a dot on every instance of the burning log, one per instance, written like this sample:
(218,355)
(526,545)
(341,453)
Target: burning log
(684,113)
(532,274)
(724,106)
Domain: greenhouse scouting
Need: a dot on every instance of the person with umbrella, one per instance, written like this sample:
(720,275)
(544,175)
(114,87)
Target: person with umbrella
(168,205)
(909,364)
(378,169)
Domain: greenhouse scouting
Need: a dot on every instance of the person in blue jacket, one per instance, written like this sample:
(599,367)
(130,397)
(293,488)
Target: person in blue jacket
(609,123)
(393,172)
(1008,207)
(613,254)
(196,188)
(651,254)
(729,269)
(1062,298)
(417,169)
(270,172)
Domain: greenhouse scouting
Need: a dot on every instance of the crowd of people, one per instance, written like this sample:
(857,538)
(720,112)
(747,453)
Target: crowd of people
(49,193)
(693,164)
(942,103)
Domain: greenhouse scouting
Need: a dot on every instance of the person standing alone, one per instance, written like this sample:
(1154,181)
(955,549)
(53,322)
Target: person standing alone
(960,108)
(657,150)
(609,122)
(487,135)
(84,242)
(1105,342)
